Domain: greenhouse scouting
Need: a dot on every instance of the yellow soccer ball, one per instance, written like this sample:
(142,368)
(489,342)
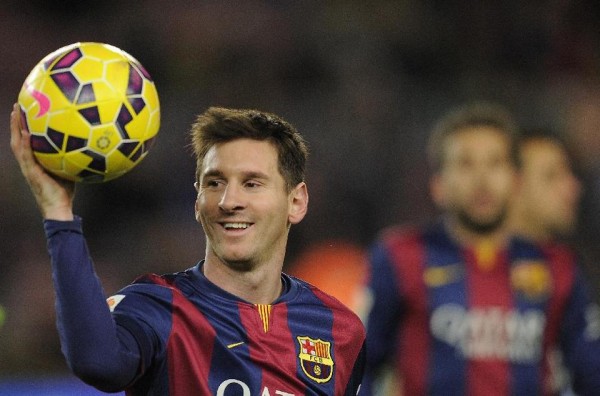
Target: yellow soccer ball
(92,111)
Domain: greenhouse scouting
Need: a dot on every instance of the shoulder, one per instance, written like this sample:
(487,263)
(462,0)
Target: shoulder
(400,234)
(318,299)
(545,264)
(558,255)
(147,289)
(396,242)
(414,235)
(406,245)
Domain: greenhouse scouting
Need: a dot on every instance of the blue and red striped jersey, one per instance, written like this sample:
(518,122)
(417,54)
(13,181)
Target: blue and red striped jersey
(483,320)
(181,335)
(197,339)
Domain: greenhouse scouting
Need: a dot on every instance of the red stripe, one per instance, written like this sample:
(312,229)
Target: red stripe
(561,262)
(275,350)
(488,288)
(189,362)
(409,255)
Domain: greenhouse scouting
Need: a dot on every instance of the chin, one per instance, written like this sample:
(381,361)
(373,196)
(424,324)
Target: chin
(481,224)
(237,263)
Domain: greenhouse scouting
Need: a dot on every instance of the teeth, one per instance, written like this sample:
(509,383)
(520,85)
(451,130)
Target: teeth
(236,225)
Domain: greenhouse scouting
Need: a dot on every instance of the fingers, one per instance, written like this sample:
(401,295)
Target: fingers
(19,137)
(53,195)
(20,142)
(15,129)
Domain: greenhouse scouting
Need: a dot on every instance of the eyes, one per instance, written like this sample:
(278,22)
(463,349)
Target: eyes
(219,183)
(467,163)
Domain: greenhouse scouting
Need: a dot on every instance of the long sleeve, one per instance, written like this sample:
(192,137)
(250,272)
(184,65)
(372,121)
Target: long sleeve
(97,350)
(581,339)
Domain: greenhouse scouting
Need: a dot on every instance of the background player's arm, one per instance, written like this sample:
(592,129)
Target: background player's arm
(580,336)
(382,320)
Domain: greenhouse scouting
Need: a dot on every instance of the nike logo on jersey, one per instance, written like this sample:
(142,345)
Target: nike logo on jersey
(442,275)
(235,344)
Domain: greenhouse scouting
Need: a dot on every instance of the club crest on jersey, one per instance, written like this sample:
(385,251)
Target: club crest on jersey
(315,359)
(531,279)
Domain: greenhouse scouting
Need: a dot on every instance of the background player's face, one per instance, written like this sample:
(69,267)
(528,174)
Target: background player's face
(476,179)
(549,192)
(243,204)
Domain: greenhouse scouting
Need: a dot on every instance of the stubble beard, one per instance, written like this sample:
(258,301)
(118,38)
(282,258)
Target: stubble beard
(481,227)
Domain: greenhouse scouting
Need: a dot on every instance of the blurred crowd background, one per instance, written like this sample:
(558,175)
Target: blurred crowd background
(362,80)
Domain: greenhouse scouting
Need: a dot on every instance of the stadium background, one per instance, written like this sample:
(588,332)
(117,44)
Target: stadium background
(362,80)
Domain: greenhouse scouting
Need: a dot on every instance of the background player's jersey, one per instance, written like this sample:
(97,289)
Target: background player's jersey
(480,321)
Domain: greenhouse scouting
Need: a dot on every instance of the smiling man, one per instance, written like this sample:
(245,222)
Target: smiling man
(233,324)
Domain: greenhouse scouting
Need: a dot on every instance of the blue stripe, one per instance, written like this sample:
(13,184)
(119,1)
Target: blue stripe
(224,317)
(305,320)
(447,371)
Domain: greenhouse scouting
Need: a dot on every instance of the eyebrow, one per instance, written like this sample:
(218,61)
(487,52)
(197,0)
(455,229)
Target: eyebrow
(246,174)
(211,173)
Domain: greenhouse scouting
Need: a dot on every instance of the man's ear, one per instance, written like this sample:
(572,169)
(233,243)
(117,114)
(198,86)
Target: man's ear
(437,190)
(196,204)
(298,203)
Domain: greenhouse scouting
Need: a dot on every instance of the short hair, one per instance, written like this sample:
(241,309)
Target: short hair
(479,114)
(218,125)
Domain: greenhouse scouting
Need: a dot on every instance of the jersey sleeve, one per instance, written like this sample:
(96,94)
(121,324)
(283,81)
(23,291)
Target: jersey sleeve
(144,308)
(98,351)
(580,338)
(384,314)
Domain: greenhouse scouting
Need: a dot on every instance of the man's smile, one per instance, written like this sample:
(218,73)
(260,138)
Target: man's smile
(236,225)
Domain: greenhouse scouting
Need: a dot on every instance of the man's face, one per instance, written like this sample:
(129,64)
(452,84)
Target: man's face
(476,179)
(549,191)
(243,204)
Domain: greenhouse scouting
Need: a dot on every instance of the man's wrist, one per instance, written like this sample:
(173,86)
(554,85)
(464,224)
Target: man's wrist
(59,214)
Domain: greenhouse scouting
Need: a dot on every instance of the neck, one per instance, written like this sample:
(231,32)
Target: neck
(468,237)
(259,285)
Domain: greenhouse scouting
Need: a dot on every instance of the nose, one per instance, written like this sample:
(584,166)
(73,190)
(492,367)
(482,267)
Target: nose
(231,199)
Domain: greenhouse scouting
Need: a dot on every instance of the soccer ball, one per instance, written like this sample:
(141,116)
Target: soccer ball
(92,111)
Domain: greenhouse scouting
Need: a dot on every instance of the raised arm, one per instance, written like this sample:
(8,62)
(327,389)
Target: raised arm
(97,350)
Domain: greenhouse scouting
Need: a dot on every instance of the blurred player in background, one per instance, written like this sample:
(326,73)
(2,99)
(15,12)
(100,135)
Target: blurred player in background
(547,197)
(233,323)
(462,308)
(546,204)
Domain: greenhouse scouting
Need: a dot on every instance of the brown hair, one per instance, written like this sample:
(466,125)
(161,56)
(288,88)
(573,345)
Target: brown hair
(218,125)
(480,114)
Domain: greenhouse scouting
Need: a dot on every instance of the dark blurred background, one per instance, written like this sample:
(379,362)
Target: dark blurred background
(363,81)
